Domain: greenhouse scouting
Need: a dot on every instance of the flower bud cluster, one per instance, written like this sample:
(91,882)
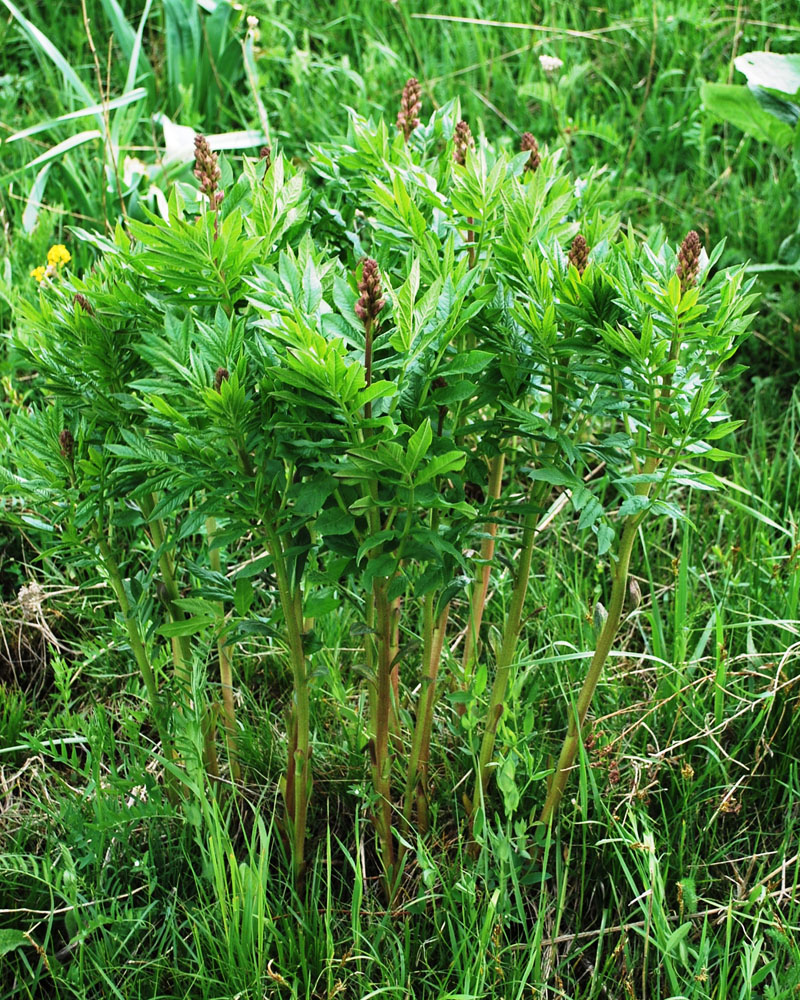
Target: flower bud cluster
(80,300)
(463,141)
(371,301)
(579,254)
(689,257)
(410,104)
(67,443)
(206,170)
(221,375)
(530,145)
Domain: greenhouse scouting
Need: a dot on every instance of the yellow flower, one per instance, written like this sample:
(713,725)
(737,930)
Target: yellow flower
(58,255)
(38,273)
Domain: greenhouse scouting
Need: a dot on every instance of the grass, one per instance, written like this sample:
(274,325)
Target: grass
(674,870)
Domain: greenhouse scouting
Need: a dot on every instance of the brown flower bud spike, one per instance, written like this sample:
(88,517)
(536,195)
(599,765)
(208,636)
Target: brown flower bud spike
(367,308)
(206,170)
(689,260)
(81,300)
(67,443)
(410,105)
(463,141)
(579,254)
(221,375)
(529,144)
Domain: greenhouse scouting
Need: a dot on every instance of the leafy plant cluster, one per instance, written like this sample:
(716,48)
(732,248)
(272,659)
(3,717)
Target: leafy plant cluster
(255,413)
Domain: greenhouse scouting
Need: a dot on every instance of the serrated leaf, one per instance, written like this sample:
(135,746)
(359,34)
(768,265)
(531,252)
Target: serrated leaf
(191,626)
(418,445)
(468,363)
(335,522)
(605,536)
(634,505)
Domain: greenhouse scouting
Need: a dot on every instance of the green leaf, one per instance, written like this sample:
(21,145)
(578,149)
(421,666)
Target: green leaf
(779,107)
(605,536)
(11,939)
(469,363)
(403,304)
(324,602)
(243,597)
(555,477)
(335,522)
(634,505)
(418,445)
(440,465)
(310,495)
(255,568)
(191,626)
(740,107)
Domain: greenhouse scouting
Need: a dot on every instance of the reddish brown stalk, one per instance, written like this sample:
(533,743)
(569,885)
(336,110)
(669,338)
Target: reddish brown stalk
(481,586)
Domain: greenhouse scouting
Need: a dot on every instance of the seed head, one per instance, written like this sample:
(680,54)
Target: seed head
(463,141)
(206,170)
(689,260)
(371,302)
(529,144)
(579,254)
(221,375)
(30,598)
(67,442)
(410,104)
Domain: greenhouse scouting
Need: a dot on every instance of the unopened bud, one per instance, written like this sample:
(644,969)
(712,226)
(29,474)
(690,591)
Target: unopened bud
(221,375)
(530,145)
(410,104)
(206,170)
(579,254)
(81,300)
(634,593)
(462,142)
(689,257)
(370,302)
(67,442)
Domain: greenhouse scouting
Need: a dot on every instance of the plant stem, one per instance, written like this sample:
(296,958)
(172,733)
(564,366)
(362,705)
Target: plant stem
(482,576)
(136,641)
(381,765)
(181,647)
(505,658)
(417,772)
(298,770)
(569,749)
(225,655)
(181,644)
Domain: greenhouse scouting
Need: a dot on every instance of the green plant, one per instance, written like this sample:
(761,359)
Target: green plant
(235,386)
